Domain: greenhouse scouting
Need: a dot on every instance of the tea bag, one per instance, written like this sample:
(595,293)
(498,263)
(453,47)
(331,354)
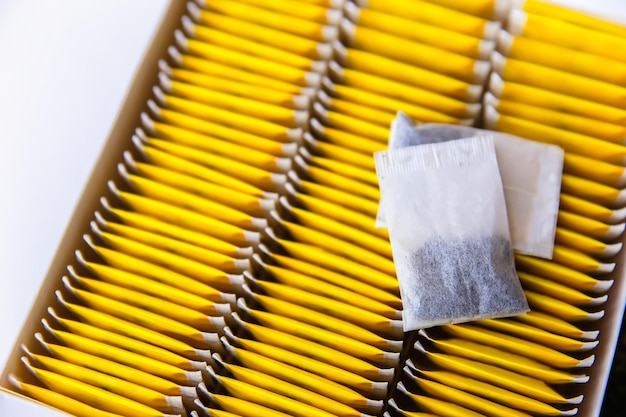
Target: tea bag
(449,232)
(531,177)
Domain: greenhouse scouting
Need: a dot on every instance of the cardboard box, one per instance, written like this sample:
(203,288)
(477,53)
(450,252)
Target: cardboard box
(106,168)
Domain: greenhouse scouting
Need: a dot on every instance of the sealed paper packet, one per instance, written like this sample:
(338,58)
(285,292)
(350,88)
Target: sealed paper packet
(449,232)
(531,176)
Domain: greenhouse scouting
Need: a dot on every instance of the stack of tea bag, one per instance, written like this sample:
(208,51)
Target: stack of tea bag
(234,267)
(454,357)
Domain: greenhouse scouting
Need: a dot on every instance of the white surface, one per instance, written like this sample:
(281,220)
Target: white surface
(11,405)
(614,10)
(65,68)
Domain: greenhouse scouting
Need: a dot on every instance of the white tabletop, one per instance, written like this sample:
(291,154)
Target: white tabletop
(65,66)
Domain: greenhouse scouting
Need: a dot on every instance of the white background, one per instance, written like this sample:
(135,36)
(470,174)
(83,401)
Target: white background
(65,66)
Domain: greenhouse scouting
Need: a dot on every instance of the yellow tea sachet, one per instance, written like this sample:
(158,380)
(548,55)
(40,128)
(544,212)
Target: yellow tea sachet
(126,350)
(139,331)
(294,25)
(116,369)
(186,218)
(559,81)
(340,247)
(581,63)
(586,244)
(580,261)
(330,179)
(422,55)
(160,274)
(328,338)
(246,203)
(520,93)
(130,390)
(365,206)
(465,399)
(559,273)
(556,30)
(487,9)
(370,115)
(152,225)
(548,356)
(511,399)
(232,117)
(141,317)
(533,334)
(360,174)
(156,190)
(314,255)
(428,34)
(234,87)
(246,62)
(321,11)
(544,8)
(205,67)
(253,178)
(199,271)
(157,289)
(358,83)
(595,170)
(358,96)
(329,389)
(584,208)
(557,118)
(571,142)
(342,138)
(253,108)
(434,405)
(376,389)
(220,261)
(557,290)
(59,401)
(340,230)
(257,395)
(167,309)
(390,70)
(240,44)
(316,351)
(585,225)
(180,164)
(377,300)
(338,326)
(94,396)
(475,350)
(436,15)
(237,406)
(287,389)
(561,309)
(368,320)
(338,153)
(556,325)
(515,382)
(350,124)
(336,212)
(264,34)
(594,192)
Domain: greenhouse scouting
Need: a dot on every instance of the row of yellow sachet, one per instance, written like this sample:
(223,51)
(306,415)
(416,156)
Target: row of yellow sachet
(560,293)
(142,313)
(189,303)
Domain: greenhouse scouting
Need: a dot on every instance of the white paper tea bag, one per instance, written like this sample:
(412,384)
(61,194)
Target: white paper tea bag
(449,233)
(531,176)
